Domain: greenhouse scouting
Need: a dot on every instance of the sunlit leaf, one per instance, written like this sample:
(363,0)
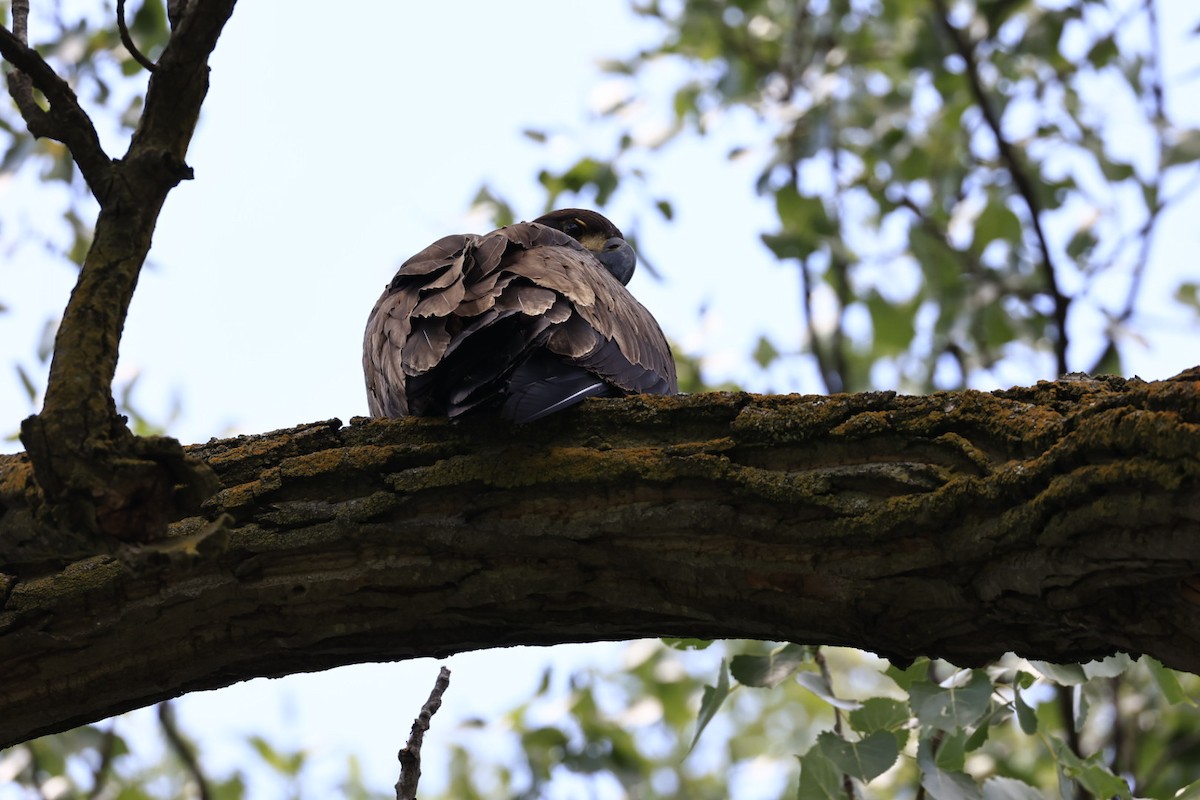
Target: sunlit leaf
(1189,792)
(1109,667)
(1062,674)
(904,678)
(687,644)
(1000,788)
(710,702)
(1168,682)
(815,682)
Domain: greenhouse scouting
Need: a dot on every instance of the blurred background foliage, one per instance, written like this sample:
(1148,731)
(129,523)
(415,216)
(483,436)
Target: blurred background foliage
(953,181)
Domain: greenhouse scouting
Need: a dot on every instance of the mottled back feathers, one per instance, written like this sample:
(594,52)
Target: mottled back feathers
(525,320)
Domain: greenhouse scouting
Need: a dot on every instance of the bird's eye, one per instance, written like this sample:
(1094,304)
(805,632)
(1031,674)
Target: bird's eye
(573,229)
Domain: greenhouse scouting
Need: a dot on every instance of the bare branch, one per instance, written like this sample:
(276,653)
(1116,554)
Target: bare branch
(410,756)
(1024,184)
(127,40)
(182,749)
(65,121)
(103,769)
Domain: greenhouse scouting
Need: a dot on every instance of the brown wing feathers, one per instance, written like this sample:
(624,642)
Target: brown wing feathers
(524,319)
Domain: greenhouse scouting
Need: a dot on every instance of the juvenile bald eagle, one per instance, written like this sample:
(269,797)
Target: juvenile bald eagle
(527,320)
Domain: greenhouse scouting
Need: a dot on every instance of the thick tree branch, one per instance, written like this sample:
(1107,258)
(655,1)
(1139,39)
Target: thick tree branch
(1057,521)
(1024,184)
(99,482)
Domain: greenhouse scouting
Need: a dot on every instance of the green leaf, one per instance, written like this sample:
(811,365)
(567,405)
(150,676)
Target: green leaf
(803,215)
(26,383)
(286,764)
(879,714)
(952,707)
(765,352)
(1168,682)
(979,738)
(865,759)
(1026,718)
(786,245)
(1183,150)
(1188,293)
(1109,667)
(819,777)
(771,670)
(894,324)
(996,222)
(1081,244)
(1114,171)
(942,784)
(904,678)
(1082,705)
(997,788)
(713,697)
(816,683)
(1089,773)
(952,752)
(1103,51)
(1062,674)
(1189,792)
(687,644)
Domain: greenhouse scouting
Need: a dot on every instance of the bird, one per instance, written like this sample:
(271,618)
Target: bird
(524,321)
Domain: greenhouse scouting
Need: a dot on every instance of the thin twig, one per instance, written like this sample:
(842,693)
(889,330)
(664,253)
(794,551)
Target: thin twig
(410,756)
(127,40)
(1008,154)
(1154,63)
(65,121)
(1146,232)
(101,773)
(823,666)
(181,748)
(1064,697)
(20,12)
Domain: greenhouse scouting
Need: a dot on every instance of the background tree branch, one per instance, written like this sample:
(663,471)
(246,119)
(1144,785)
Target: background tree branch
(1056,521)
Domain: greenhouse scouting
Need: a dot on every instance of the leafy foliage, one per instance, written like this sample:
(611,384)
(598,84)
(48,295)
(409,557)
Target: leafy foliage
(945,176)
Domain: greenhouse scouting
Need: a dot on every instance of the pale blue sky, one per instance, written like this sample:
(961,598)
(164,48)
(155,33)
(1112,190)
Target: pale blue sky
(332,147)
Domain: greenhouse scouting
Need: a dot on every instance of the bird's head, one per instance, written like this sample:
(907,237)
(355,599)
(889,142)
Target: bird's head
(597,234)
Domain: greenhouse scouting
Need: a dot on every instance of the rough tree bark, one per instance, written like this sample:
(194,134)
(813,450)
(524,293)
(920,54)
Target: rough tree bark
(1060,521)
(99,482)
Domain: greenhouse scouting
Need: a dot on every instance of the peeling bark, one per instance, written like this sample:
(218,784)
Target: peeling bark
(1060,521)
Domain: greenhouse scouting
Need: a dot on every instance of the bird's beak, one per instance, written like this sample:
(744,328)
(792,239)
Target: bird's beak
(619,258)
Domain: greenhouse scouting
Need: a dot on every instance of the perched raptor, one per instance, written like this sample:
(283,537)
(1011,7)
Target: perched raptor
(527,320)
